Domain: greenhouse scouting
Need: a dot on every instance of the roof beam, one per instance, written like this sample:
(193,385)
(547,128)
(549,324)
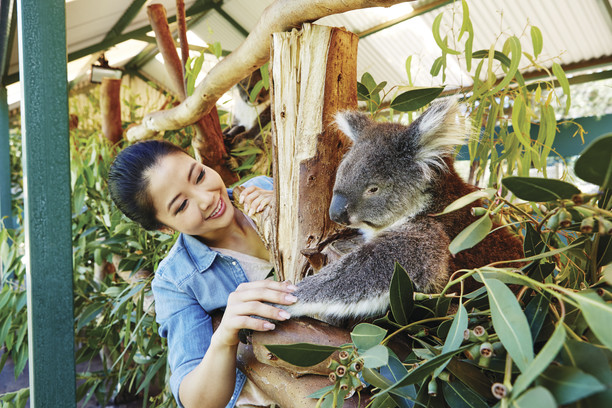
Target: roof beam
(414,13)
(230,20)
(8,27)
(130,13)
(197,8)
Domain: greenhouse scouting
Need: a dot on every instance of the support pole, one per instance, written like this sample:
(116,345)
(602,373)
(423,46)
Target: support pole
(46,168)
(5,162)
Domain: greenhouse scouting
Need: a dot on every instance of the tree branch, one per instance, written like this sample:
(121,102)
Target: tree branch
(282,15)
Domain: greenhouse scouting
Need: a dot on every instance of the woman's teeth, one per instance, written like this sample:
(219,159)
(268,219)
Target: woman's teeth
(217,210)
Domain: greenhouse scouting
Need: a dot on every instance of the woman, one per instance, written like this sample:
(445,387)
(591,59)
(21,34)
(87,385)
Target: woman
(218,261)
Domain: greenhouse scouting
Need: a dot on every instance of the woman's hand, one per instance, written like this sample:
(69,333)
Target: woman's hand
(255,199)
(250,299)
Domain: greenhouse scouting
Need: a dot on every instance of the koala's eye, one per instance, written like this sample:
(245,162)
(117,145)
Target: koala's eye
(371,190)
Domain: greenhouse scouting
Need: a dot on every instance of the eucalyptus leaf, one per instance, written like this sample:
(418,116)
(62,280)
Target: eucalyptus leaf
(302,354)
(595,164)
(321,392)
(458,395)
(536,311)
(597,313)
(435,28)
(510,323)
(588,358)
(454,337)
(401,295)
(538,397)
(471,235)
(536,40)
(366,335)
(424,370)
(375,357)
(467,199)
(539,189)
(560,74)
(415,99)
(533,243)
(541,361)
(569,384)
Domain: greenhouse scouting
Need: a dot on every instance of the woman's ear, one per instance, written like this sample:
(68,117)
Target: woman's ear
(166,230)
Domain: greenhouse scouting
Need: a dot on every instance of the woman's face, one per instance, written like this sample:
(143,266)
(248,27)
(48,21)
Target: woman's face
(189,197)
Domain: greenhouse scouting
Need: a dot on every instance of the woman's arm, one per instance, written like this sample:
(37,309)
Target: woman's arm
(212,382)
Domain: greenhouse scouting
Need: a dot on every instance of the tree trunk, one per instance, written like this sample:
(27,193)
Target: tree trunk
(314,75)
(110,106)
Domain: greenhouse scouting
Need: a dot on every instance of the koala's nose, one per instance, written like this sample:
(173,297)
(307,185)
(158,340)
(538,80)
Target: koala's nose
(338,209)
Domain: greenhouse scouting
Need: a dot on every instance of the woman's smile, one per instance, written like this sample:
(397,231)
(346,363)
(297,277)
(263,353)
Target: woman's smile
(218,211)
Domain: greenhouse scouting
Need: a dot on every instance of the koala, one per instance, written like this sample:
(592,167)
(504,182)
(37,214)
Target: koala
(391,181)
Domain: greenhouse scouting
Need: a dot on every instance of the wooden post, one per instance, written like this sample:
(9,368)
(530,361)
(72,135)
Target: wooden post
(314,75)
(110,106)
(46,174)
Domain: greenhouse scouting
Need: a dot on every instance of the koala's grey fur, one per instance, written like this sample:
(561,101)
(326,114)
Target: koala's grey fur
(389,182)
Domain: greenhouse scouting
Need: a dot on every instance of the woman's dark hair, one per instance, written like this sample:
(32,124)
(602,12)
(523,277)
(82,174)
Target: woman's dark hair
(128,182)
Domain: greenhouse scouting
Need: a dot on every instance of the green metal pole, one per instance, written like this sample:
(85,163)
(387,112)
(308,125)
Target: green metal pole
(46,167)
(5,162)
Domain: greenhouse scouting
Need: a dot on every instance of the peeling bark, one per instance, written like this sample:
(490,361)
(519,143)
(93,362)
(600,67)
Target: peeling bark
(282,15)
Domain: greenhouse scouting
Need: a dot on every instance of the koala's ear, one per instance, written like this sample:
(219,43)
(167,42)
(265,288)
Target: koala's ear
(440,129)
(352,123)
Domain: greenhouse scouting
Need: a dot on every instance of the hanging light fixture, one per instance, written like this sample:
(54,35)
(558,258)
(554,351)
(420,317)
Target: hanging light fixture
(101,70)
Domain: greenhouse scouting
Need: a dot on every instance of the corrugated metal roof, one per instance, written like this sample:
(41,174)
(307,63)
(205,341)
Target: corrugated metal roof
(576,34)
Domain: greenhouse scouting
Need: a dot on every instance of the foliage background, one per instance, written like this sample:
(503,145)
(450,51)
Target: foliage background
(545,342)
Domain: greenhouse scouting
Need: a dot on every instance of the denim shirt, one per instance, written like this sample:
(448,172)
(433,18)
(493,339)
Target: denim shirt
(191,282)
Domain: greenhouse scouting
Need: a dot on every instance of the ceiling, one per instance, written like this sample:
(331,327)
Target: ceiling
(578,35)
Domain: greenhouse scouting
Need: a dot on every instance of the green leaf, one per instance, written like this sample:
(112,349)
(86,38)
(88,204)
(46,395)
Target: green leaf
(375,357)
(265,75)
(366,335)
(597,313)
(401,295)
(536,311)
(91,312)
(515,48)
(415,98)
(538,397)
(424,370)
(569,384)
(594,164)
(560,74)
(454,338)
(457,395)
(471,235)
(255,91)
(321,392)
(541,361)
(368,81)
(436,66)
(589,358)
(510,323)
(435,29)
(533,244)
(466,22)
(536,40)
(539,189)
(467,199)
(301,354)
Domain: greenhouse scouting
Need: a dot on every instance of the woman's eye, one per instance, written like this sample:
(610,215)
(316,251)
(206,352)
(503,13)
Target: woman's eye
(200,176)
(181,207)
